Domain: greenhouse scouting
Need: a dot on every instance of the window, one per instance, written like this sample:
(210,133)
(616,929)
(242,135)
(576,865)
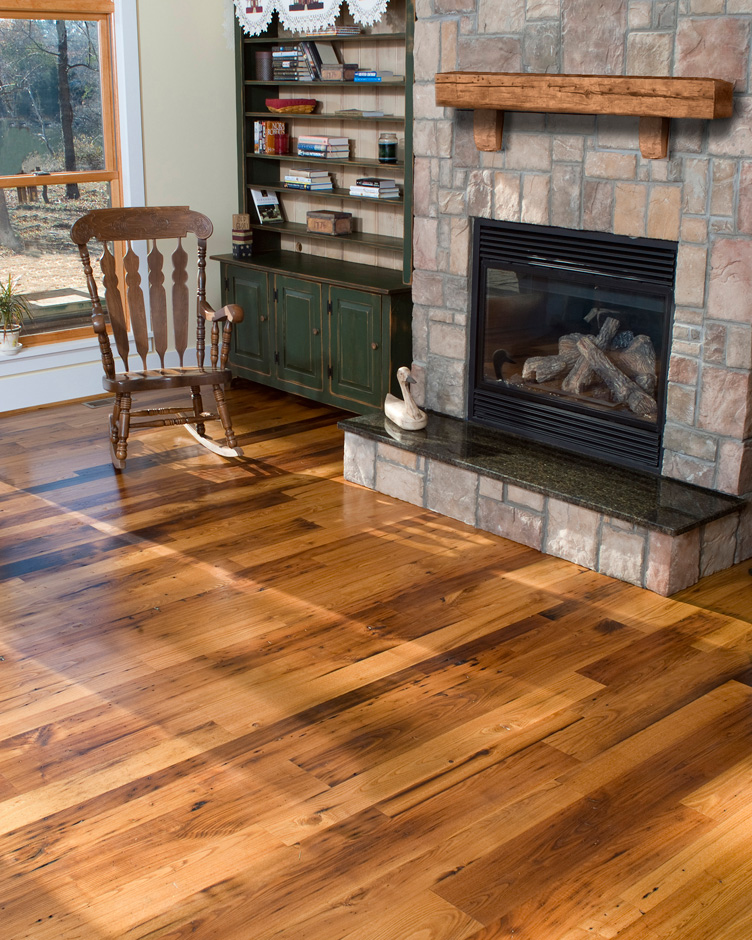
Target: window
(58,151)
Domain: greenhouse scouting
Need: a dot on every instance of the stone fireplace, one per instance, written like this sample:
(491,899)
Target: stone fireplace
(586,173)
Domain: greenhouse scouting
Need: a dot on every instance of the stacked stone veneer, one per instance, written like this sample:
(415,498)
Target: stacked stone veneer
(585,172)
(630,552)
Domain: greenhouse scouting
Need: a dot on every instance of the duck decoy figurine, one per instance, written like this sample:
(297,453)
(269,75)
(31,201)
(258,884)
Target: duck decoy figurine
(405,414)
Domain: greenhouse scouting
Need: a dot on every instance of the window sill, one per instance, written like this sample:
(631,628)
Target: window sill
(51,356)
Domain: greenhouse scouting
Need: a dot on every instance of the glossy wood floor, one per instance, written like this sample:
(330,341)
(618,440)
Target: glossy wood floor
(245,700)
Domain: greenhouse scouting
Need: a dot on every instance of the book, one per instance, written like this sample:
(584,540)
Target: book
(267,205)
(308,176)
(313,62)
(328,141)
(378,77)
(326,155)
(371,193)
(304,181)
(366,73)
(302,176)
(312,148)
(356,112)
(339,31)
(323,148)
(309,187)
(376,182)
(327,54)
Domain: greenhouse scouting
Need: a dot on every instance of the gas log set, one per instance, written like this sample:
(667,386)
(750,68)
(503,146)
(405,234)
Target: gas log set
(612,366)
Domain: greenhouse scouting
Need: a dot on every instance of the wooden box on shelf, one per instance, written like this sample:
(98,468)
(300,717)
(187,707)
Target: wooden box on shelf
(338,73)
(327,222)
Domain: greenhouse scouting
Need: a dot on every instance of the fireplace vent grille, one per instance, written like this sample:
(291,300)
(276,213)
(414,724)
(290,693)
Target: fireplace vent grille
(649,261)
(639,447)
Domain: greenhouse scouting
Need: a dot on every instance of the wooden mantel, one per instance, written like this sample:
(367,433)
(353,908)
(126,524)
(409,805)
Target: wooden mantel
(654,100)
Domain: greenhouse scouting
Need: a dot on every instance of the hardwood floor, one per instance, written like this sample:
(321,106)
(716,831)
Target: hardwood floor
(242,699)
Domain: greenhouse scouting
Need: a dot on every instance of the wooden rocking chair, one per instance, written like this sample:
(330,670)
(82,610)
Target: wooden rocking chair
(150,224)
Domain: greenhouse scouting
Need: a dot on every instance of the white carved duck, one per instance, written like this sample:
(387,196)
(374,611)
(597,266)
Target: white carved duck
(405,414)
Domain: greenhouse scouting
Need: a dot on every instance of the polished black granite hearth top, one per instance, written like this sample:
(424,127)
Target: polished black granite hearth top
(656,503)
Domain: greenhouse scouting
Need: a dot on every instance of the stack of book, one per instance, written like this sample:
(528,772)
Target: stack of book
(318,180)
(373,188)
(301,61)
(332,148)
(371,75)
(285,62)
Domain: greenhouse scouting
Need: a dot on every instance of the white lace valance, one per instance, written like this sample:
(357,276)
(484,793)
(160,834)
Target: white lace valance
(304,16)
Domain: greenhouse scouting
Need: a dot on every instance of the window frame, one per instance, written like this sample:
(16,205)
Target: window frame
(103,13)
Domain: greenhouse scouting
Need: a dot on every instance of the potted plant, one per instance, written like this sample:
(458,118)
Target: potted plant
(13,310)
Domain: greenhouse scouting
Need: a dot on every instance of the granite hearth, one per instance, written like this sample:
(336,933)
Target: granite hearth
(654,532)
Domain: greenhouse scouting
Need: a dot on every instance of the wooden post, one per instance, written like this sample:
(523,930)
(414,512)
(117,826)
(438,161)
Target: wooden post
(488,126)
(654,137)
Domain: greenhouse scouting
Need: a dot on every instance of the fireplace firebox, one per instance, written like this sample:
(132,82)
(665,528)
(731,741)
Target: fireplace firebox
(570,338)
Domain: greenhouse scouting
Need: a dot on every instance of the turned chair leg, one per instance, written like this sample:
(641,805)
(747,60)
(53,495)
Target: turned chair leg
(114,418)
(224,415)
(198,408)
(116,447)
(123,426)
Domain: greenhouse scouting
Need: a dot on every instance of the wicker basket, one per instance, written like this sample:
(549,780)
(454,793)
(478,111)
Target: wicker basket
(291,105)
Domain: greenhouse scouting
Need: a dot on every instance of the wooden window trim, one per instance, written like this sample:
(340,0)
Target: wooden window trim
(50,9)
(102,11)
(58,179)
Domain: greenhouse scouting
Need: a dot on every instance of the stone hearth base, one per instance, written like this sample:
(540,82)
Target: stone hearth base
(654,532)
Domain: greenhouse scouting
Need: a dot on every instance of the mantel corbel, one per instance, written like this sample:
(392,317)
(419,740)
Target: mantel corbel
(654,100)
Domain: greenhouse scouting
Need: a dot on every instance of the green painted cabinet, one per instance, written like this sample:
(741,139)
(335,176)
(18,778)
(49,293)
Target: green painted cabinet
(339,342)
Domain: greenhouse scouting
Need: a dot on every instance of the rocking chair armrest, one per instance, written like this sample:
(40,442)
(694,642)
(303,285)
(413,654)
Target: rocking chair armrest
(230,312)
(99,323)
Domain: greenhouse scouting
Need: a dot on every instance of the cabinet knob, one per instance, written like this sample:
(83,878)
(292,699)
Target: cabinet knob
(262,318)
(374,345)
(315,331)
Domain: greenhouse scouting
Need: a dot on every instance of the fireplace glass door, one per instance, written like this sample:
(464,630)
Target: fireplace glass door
(570,341)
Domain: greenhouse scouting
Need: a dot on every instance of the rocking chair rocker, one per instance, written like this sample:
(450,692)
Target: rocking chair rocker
(150,224)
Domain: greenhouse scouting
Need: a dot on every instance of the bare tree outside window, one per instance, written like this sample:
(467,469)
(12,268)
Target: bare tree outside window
(51,123)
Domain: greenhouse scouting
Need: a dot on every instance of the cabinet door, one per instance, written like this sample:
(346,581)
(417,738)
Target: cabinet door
(355,346)
(251,347)
(299,345)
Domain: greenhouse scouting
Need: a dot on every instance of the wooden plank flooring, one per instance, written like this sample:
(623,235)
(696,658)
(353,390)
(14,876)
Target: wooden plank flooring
(246,700)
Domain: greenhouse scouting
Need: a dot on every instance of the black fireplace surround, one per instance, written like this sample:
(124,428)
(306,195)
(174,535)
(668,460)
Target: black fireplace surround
(570,338)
